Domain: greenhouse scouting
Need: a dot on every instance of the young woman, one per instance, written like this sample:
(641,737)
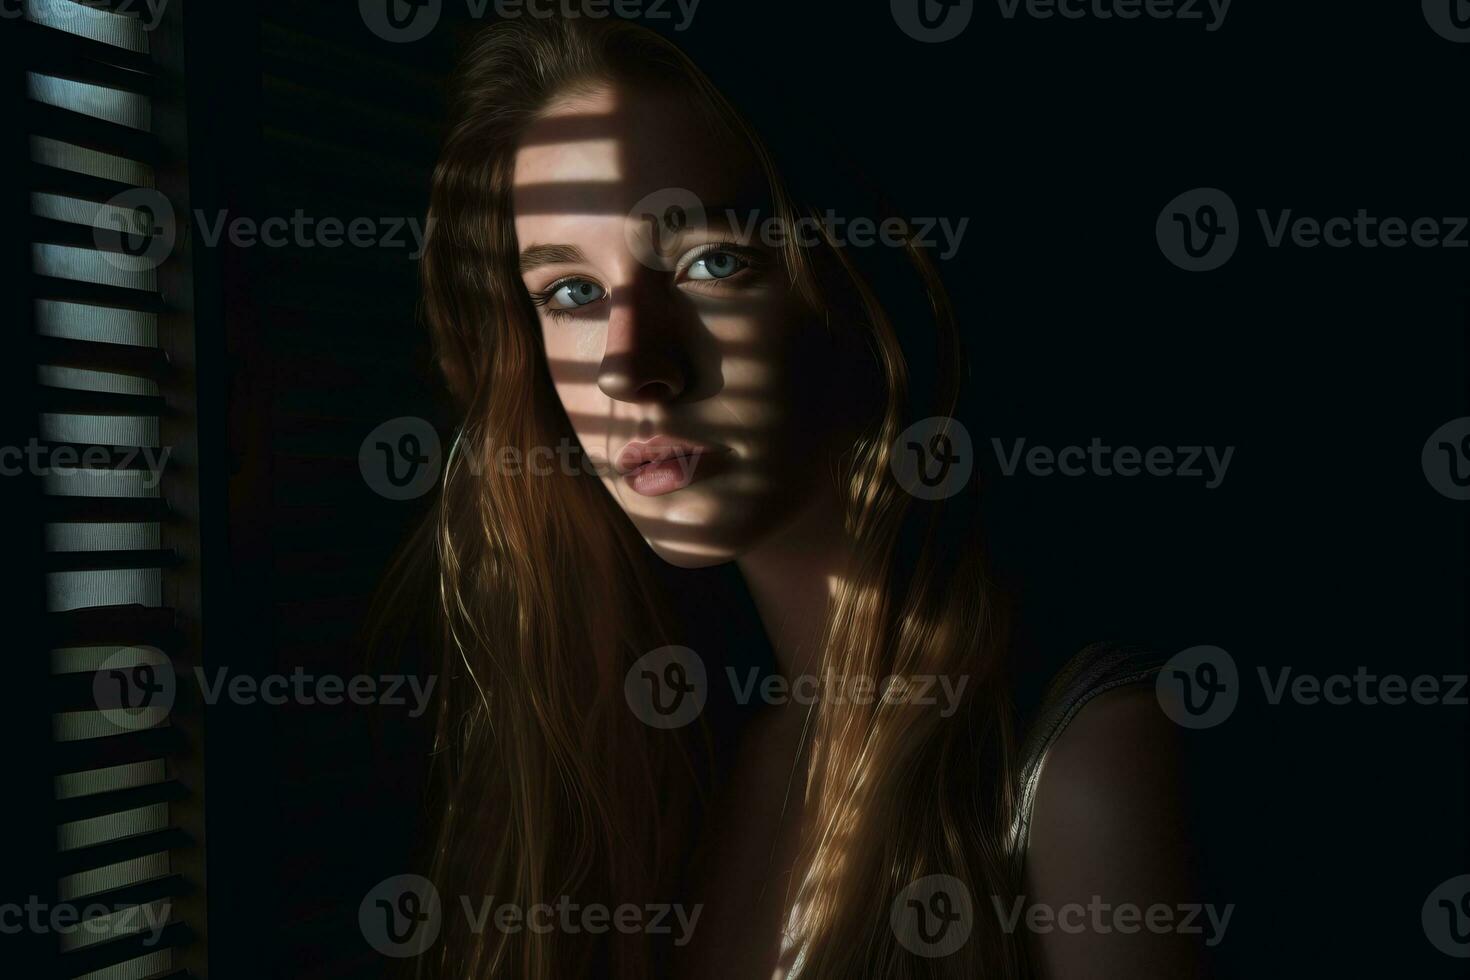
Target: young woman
(628,282)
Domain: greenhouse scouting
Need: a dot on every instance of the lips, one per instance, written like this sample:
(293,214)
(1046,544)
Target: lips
(664,464)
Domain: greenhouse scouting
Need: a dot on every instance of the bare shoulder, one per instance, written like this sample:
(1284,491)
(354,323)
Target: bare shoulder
(1109,879)
(1119,757)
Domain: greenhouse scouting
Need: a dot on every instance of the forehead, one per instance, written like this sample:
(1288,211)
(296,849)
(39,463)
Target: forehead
(599,153)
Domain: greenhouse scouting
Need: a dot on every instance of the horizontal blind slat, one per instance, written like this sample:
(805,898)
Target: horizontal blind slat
(96,294)
(55,43)
(132,625)
(123,849)
(99,956)
(119,800)
(94,134)
(84,60)
(139,893)
(115,750)
(91,561)
(143,362)
(72,401)
(104,510)
(50,231)
(47,179)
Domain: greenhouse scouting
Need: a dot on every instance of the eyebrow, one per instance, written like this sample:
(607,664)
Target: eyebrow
(538,255)
(535,256)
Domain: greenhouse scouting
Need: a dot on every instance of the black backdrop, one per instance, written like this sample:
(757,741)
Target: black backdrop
(1324,548)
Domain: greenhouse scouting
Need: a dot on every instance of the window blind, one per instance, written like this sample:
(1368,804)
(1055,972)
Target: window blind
(118,534)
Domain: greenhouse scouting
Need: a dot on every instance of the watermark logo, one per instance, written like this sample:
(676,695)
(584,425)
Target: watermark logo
(1450,19)
(1198,687)
(1199,230)
(401,916)
(136,227)
(401,21)
(933,916)
(656,224)
(933,458)
(1446,917)
(139,228)
(134,688)
(1446,459)
(933,21)
(400,458)
(667,688)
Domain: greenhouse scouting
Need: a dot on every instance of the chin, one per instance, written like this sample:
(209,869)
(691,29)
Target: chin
(701,543)
(682,556)
(716,541)
(697,543)
(711,523)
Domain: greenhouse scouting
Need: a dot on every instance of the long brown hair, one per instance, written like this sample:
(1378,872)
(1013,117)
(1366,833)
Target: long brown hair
(549,785)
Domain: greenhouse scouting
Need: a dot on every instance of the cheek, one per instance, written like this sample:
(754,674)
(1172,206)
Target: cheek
(573,343)
(773,367)
(573,357)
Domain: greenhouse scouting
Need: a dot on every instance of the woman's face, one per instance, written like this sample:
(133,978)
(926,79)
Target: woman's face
(696,379)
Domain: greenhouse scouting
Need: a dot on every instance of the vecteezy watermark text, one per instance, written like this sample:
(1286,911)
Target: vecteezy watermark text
(1210,12)
(406,21)
(136,687)
(1200,687)
(308,231)
(1363,687)
(1098,459)
(402,458)
(658,226)
(147,13)
(1100,917)
(668,688)
(41,459)
(141,224)
(95,918)
(1200,230)
(402,916)
(569,917)
(831,688)
(301,687)
(861,232)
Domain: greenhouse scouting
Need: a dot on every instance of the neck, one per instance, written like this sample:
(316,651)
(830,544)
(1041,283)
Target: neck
(791,578)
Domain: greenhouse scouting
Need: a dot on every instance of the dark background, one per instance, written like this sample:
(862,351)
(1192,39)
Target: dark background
(1324,549)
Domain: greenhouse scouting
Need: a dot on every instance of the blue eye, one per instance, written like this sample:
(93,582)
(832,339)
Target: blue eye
(575,293)
(716,265)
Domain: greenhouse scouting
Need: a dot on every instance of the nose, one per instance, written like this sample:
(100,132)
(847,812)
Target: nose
(643,360)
